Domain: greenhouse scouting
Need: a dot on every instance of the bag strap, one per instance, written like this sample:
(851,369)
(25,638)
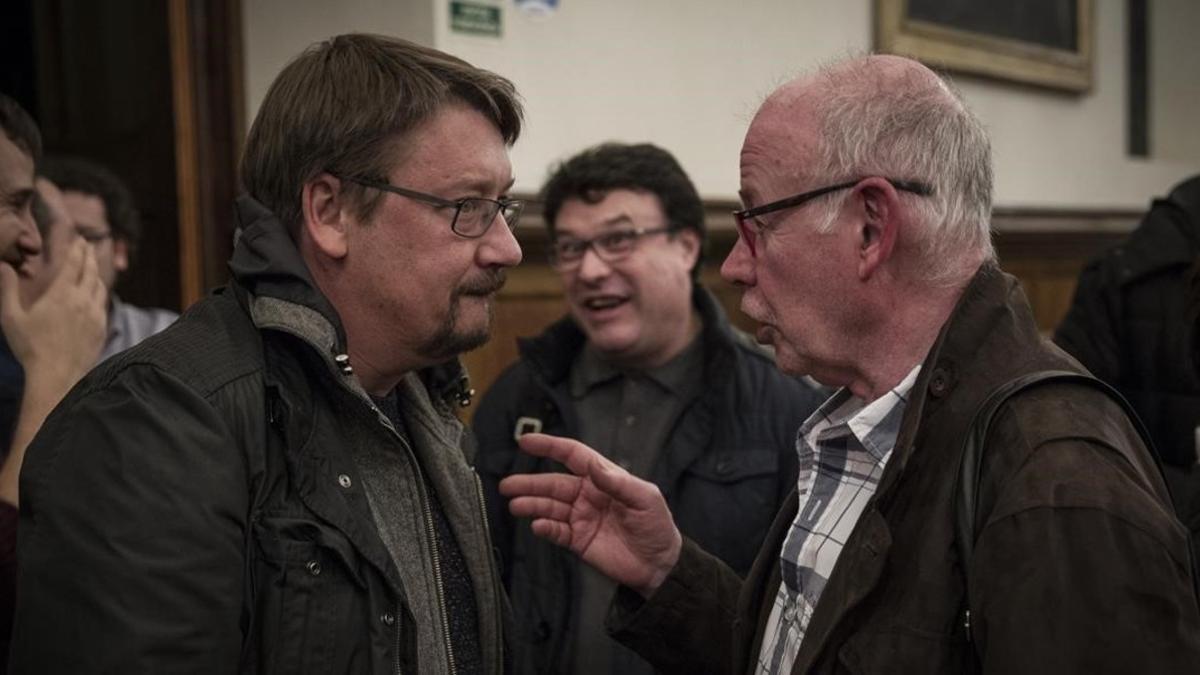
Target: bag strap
(971,462)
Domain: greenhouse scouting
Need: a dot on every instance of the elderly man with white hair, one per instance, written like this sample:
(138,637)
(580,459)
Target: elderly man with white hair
(865,255)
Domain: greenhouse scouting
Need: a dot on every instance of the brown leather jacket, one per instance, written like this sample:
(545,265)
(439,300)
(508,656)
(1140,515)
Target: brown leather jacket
(1079,565)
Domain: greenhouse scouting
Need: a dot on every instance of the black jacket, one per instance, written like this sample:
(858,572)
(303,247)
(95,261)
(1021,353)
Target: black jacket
(1133,322)
(725,470)
(192,505)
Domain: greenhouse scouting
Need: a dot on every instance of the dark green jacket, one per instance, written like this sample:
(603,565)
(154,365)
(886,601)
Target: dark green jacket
(192,506)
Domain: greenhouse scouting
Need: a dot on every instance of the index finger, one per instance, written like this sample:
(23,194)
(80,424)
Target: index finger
(576,456)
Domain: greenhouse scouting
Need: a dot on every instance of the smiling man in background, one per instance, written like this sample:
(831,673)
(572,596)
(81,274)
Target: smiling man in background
(647,369)
(51,314)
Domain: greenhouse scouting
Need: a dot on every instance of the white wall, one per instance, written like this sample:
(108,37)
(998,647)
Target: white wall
(275,31)
(688,76)
(1175,80)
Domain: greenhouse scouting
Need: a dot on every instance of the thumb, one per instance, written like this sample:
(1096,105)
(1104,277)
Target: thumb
(621,485)
(10,300)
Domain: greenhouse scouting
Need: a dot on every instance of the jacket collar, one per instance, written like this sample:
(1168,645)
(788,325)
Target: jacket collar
(267,265)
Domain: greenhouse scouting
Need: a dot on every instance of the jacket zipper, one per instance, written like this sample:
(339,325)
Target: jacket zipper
(431,533)
(426,510)
(496,585)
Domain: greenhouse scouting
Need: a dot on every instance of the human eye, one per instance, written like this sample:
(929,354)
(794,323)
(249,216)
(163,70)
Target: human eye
(617,242)
(470,206)
(568,248)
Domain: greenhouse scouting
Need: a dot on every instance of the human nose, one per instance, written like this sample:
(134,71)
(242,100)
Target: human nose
(499,246)
(591,265)
(30,239)
(738,268)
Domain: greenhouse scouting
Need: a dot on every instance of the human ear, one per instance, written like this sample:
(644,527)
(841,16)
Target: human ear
(690,240)
(324,212)
(879,225)
(120,256)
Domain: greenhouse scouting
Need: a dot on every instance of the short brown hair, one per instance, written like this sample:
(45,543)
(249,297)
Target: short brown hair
(339,106)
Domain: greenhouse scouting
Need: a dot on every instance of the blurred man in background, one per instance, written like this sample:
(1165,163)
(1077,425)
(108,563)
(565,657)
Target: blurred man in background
(105,216)
(647,369)
(51,314)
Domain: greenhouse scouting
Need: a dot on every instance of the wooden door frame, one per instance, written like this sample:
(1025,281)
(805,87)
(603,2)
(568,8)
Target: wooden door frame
(208,96)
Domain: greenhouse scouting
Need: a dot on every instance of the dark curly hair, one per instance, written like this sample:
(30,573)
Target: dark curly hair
(20,128)
(76,174)
(593,173)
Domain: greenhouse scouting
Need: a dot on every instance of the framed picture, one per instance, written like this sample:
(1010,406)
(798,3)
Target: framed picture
(1047,43)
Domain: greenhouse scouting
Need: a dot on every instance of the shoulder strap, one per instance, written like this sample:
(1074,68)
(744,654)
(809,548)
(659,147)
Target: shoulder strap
(971,459)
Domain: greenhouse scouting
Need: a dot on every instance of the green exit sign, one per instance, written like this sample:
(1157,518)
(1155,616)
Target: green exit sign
(474,18)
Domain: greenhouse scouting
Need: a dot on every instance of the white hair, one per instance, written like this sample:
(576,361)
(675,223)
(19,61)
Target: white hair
(913,127)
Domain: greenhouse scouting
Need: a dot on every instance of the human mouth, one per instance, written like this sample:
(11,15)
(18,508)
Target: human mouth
(604,302)
(602,306)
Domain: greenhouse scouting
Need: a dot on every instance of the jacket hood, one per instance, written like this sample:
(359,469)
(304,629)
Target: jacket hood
(1187,196)
(266,263)
(1168,236)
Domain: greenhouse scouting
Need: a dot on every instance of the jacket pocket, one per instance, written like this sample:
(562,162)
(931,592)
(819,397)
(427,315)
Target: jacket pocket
(726,501)
(903,650)
(307,592)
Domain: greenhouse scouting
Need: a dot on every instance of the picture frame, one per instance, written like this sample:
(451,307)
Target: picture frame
(1046,43)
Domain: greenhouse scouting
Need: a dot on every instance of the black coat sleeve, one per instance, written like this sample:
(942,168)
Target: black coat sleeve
(688,625)
(132,534)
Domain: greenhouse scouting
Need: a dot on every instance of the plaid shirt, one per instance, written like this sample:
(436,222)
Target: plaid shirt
(843,448)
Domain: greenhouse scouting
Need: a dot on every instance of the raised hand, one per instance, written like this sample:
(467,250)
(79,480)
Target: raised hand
(60,333)
(57,338)
(611,519)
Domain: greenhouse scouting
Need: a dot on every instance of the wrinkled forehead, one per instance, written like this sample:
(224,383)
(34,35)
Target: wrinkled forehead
(609,210)
(781,142)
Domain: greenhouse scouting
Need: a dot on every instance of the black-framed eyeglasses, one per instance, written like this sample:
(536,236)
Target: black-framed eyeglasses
(566,253)
(472,215)
(749,233)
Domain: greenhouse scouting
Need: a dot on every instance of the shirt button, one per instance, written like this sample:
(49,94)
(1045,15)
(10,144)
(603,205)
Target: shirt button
(314,567)
(388,619)
(630,420)
(344,481)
